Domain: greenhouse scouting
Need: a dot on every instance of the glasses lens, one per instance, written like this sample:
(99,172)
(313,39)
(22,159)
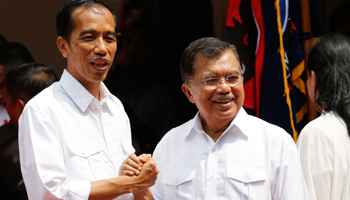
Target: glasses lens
(211,82)
(233,79)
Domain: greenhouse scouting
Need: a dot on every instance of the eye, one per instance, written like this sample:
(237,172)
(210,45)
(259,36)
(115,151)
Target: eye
(88,38)
(110,39)
(211,81)
(232,78)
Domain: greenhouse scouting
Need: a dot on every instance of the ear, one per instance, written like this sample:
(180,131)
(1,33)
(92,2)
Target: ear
(188,92)
(19,106)
(62,46)
(311,84)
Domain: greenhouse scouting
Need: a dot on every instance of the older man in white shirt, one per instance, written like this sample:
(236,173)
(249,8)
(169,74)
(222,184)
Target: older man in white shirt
(223,153)
(74,135)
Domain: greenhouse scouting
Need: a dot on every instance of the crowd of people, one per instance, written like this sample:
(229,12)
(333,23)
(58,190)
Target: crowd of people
(84,137)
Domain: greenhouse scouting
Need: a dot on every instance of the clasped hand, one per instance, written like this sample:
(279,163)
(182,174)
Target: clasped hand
(142,167)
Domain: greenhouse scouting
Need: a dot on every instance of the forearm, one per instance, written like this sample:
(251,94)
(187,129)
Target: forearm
(112,188)
(144,195)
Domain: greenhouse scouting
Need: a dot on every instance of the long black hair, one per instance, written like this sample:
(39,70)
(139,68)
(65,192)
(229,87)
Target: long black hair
(329,58)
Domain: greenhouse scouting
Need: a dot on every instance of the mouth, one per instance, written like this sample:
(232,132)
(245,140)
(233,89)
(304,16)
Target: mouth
(223,101)
(99,64)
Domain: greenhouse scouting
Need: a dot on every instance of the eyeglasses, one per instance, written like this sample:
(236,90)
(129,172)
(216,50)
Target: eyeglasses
(232,80)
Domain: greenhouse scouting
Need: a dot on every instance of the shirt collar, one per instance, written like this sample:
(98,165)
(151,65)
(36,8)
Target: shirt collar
(79,94)
(240,121)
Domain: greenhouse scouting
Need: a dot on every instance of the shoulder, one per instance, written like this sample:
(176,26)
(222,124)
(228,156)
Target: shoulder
(266,129)
(324,128)
(180,131)
(44,97)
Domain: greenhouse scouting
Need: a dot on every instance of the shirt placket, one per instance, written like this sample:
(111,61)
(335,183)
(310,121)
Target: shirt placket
(211,174)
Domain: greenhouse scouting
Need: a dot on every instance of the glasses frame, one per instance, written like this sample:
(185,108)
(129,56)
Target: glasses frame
(219,80)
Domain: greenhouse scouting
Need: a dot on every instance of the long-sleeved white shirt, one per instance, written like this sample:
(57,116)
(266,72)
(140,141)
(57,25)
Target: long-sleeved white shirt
(68,138)
(324,146)
(251,160)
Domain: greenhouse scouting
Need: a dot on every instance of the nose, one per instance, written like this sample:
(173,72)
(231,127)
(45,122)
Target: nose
(100,46)
(223,86)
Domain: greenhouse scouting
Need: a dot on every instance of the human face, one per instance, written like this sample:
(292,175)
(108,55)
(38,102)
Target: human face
(216,105)
(92,45)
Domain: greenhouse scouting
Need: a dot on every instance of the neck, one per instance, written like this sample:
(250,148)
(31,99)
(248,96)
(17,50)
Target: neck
(215,130)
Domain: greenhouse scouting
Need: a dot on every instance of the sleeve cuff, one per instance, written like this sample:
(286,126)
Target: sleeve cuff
(79,190)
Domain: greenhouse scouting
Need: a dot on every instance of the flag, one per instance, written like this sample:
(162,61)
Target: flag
(279,79)
(245,29)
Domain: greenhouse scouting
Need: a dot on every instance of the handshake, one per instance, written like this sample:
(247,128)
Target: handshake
(142,169)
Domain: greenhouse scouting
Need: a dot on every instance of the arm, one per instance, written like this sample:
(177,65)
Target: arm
(107,189)
(288,182)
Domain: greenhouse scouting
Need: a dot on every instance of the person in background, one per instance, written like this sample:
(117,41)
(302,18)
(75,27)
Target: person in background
(74,135)
(12,54)
(223,153)
(20,85)
(324,143)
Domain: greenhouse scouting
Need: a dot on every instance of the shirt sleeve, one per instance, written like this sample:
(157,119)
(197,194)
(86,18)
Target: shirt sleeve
(42,159)
(157,189)
(316,158)
(289,183)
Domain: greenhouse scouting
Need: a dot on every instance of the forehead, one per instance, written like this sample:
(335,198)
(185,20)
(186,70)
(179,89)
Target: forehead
(89,17)
(222,64)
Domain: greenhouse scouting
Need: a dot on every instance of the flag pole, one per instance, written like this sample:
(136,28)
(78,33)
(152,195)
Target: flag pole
(306,28)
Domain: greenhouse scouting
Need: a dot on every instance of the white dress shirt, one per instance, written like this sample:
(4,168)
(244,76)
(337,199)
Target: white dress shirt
(68,138)
(251,160)
(324,146)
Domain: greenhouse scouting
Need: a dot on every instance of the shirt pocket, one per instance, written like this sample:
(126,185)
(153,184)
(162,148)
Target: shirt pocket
(246,182)
(86,158)
(179,183)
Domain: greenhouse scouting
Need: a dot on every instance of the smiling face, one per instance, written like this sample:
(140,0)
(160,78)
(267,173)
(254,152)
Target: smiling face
(92,45)
(216,105)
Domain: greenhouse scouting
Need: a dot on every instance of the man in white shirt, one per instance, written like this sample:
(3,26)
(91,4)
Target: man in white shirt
(223,153)
(75,134)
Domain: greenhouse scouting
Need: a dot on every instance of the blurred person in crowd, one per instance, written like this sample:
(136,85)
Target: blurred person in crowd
(12,54)
(19,86)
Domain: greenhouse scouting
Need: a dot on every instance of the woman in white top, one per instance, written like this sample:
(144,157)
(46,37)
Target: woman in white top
(324,143)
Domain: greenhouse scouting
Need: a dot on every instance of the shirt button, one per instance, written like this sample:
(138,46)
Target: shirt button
(247,177)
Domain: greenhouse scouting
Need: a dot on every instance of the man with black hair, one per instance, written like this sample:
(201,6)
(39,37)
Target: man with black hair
(20,85)
(75,135)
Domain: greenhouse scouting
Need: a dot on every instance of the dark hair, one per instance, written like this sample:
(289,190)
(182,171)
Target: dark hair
(64,22)
(13,54)
(27,80)
(208,47)
(329,58)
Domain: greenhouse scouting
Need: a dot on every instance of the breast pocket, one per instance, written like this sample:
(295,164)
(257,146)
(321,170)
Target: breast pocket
(179,183)
(86,159)
(246,183)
